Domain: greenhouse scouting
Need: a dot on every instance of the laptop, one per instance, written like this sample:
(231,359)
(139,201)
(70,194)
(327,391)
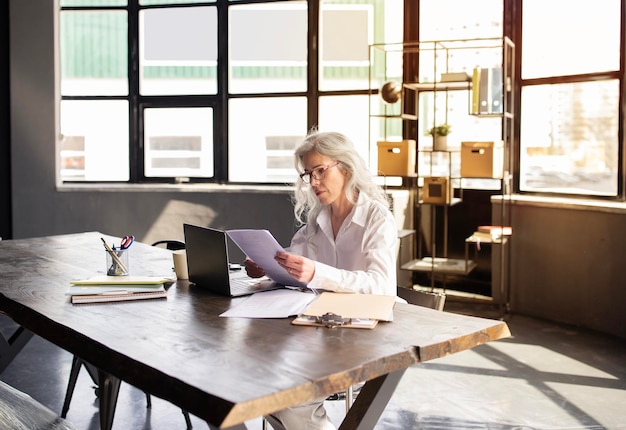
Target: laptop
(209,268)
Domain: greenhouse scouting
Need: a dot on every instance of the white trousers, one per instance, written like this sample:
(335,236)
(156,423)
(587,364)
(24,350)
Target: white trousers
(307,416)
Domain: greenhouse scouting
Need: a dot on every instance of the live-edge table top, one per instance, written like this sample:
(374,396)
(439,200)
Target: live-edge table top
(224,370)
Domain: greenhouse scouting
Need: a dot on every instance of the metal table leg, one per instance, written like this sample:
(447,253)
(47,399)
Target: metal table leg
(371,402)
(10,347)
(109,390)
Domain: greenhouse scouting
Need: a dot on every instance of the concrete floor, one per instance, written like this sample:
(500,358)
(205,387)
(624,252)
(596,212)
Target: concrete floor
(546,376)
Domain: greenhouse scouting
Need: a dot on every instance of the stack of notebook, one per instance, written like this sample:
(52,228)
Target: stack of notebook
(491,233)
(117,288)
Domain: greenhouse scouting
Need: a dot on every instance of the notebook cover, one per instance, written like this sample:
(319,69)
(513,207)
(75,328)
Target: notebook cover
(106,298)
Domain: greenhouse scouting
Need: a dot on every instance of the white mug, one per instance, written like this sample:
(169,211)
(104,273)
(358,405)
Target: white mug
(180,264)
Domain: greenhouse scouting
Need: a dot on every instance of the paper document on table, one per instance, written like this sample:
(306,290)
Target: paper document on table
(261,247)
(271,304)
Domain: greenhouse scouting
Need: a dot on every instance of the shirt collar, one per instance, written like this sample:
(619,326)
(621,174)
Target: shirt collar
(358,214)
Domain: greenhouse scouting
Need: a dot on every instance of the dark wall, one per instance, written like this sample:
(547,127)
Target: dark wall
(5,136)
(462,220)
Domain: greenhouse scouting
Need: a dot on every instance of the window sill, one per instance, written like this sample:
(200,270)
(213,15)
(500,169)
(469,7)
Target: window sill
(190,188)
(564,203)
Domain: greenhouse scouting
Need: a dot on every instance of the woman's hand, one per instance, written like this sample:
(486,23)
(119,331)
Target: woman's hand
(301,268)
(252,269)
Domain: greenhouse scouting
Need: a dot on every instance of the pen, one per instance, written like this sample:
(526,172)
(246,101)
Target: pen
(114,255)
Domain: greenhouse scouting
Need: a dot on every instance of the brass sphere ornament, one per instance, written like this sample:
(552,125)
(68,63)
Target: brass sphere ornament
(391,91)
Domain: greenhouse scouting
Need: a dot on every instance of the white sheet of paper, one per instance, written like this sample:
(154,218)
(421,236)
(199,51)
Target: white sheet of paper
(271,304)
(261,247)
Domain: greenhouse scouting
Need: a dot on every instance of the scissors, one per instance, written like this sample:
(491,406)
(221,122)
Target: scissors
(127,241)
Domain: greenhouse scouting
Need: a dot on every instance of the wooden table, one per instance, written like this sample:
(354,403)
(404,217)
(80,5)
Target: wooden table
(223,370)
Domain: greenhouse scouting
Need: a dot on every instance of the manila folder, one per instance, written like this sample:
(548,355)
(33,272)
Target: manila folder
(348,305)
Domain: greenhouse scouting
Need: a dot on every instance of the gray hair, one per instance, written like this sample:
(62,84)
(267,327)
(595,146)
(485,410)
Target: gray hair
(340,148)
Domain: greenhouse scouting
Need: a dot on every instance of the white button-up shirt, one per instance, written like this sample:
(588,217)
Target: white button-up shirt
(362,259)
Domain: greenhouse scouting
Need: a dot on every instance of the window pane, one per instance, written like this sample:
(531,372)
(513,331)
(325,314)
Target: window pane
(263,134)
(347,115)
(268,47)
(93,149)
(453,108)
(587,40)
(178,142)
(95,3)
(178,51)
(569,138)
(458,56)
(161,2)
(345,65)
(94,53)
(470,20)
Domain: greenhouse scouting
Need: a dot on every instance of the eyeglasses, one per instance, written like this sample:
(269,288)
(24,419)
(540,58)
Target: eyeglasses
(317,174)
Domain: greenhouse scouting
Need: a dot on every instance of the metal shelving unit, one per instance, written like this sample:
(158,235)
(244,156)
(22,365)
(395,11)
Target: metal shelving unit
(446,68)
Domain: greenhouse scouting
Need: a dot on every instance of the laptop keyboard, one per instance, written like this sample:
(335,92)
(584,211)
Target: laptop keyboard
(238,285)
(245,284)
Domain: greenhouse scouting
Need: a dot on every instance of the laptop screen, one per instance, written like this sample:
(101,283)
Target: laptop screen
(207,257)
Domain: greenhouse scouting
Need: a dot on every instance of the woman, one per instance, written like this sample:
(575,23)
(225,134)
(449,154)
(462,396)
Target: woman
(347,243)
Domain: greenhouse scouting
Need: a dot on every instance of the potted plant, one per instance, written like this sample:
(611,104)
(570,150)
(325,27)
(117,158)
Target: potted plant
(439,134)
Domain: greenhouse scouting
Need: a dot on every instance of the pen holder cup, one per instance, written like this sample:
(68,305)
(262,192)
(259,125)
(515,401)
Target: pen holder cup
(117,262)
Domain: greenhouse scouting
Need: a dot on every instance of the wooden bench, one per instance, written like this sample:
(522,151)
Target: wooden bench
(19,411)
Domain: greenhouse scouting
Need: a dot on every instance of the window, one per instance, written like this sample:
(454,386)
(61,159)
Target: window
(472,21)
(178,51)
(178,142)
(268,47)
(571,80)
(94,146)
(146,99)
(95,133)
(131,69)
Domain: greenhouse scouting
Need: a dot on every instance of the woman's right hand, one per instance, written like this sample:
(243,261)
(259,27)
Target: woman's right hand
(252,269)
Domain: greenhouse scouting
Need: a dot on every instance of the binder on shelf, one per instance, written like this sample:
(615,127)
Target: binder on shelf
(496,90)
(476,90)
(484,90)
